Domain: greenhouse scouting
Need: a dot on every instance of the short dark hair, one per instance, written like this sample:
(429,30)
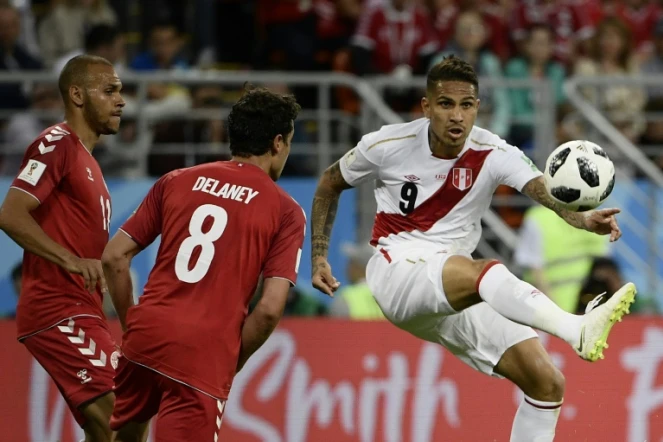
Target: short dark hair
(452,68)
(257,118)
(75,72)
(99,36)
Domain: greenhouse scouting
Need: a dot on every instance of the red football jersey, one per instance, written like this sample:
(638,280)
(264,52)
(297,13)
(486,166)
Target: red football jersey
(395,37)
(75,212)
(569,20)
(221,224)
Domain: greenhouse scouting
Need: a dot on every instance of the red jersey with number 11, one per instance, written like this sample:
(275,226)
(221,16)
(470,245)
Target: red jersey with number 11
(221,224)
(74,211)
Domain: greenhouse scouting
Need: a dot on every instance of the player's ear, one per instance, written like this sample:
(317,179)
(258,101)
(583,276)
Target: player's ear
(478,103)
(278,144)
(76,95)
(425,106)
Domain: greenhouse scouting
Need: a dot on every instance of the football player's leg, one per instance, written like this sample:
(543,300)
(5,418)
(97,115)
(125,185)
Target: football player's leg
(137,400)
(187,414)
(528,365)
(467,282)
(96,417)
(83,370)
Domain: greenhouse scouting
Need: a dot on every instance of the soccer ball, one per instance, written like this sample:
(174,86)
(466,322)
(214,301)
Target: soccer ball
(579,175)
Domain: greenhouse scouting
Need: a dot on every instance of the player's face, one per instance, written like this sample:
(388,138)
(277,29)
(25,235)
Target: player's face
(280,156)
(452,108)
(103,102)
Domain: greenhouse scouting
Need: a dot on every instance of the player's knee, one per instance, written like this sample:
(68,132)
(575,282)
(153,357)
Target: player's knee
(460,277)
(549,386)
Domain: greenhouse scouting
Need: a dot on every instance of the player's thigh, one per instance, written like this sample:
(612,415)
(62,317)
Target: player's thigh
(408,286)
(460,276)
(137,400)
(478,336)
(187,414)
(528,365)
(78,354)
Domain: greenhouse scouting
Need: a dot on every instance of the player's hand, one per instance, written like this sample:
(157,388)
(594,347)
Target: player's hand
(323,279)
(91,271)
(603,222)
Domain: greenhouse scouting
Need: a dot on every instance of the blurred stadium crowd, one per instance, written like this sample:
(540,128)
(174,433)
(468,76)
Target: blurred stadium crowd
(551,39)
(502,38)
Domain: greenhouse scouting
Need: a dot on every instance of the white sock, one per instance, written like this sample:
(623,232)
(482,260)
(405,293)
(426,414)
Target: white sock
(522,303)
(535,421)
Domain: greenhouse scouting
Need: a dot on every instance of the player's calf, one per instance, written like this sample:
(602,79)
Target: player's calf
(528,365)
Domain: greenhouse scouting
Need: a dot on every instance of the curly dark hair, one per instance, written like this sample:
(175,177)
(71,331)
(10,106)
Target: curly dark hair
(452,68)
(257,118)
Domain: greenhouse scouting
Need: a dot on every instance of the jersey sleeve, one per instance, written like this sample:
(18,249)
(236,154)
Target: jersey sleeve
(145,224)
(511,167)
(285,251)
(361,163)
(44,165)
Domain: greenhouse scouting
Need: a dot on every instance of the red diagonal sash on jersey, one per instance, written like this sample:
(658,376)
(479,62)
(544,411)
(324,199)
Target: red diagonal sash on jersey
(458,183)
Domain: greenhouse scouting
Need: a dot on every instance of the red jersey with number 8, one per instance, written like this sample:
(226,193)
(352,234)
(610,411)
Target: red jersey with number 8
(74,211)
(221,224)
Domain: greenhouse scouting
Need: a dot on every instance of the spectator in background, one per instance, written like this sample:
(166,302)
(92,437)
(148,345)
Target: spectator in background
(495,14)
(652,138)
(356,301)
(101,40)
(469,43)
(63,29)
(28,35)
(654,65)
(640,16)
(537,63)
(165,46)
(14,57)
(337,20)
(288,28)
(556,257)
(612,54)
(569,19)
(394,37)
(604,275)
(24,127)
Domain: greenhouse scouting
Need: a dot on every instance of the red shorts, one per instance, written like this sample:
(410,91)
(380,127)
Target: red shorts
(183,413)
(80,356)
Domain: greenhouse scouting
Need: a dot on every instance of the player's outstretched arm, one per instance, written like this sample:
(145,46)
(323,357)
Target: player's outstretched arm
(323,213)
(264,318)
(116,261)
(17,222)
(600,221)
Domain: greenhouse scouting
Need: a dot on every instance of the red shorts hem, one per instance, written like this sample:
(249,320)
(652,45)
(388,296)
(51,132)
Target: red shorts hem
(79,354)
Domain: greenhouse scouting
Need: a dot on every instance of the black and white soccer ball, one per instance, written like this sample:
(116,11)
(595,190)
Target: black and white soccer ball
(579,175)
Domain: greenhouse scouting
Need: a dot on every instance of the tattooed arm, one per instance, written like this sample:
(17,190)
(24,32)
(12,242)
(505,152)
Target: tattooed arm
(601,222)
(536,189)
(323,213)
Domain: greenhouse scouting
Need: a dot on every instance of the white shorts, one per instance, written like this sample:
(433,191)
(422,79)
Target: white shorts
(410,293)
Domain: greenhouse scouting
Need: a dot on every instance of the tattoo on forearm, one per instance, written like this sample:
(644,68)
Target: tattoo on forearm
(536,189)
(323,213)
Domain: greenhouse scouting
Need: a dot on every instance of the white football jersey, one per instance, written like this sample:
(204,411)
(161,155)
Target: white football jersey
(426,201)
